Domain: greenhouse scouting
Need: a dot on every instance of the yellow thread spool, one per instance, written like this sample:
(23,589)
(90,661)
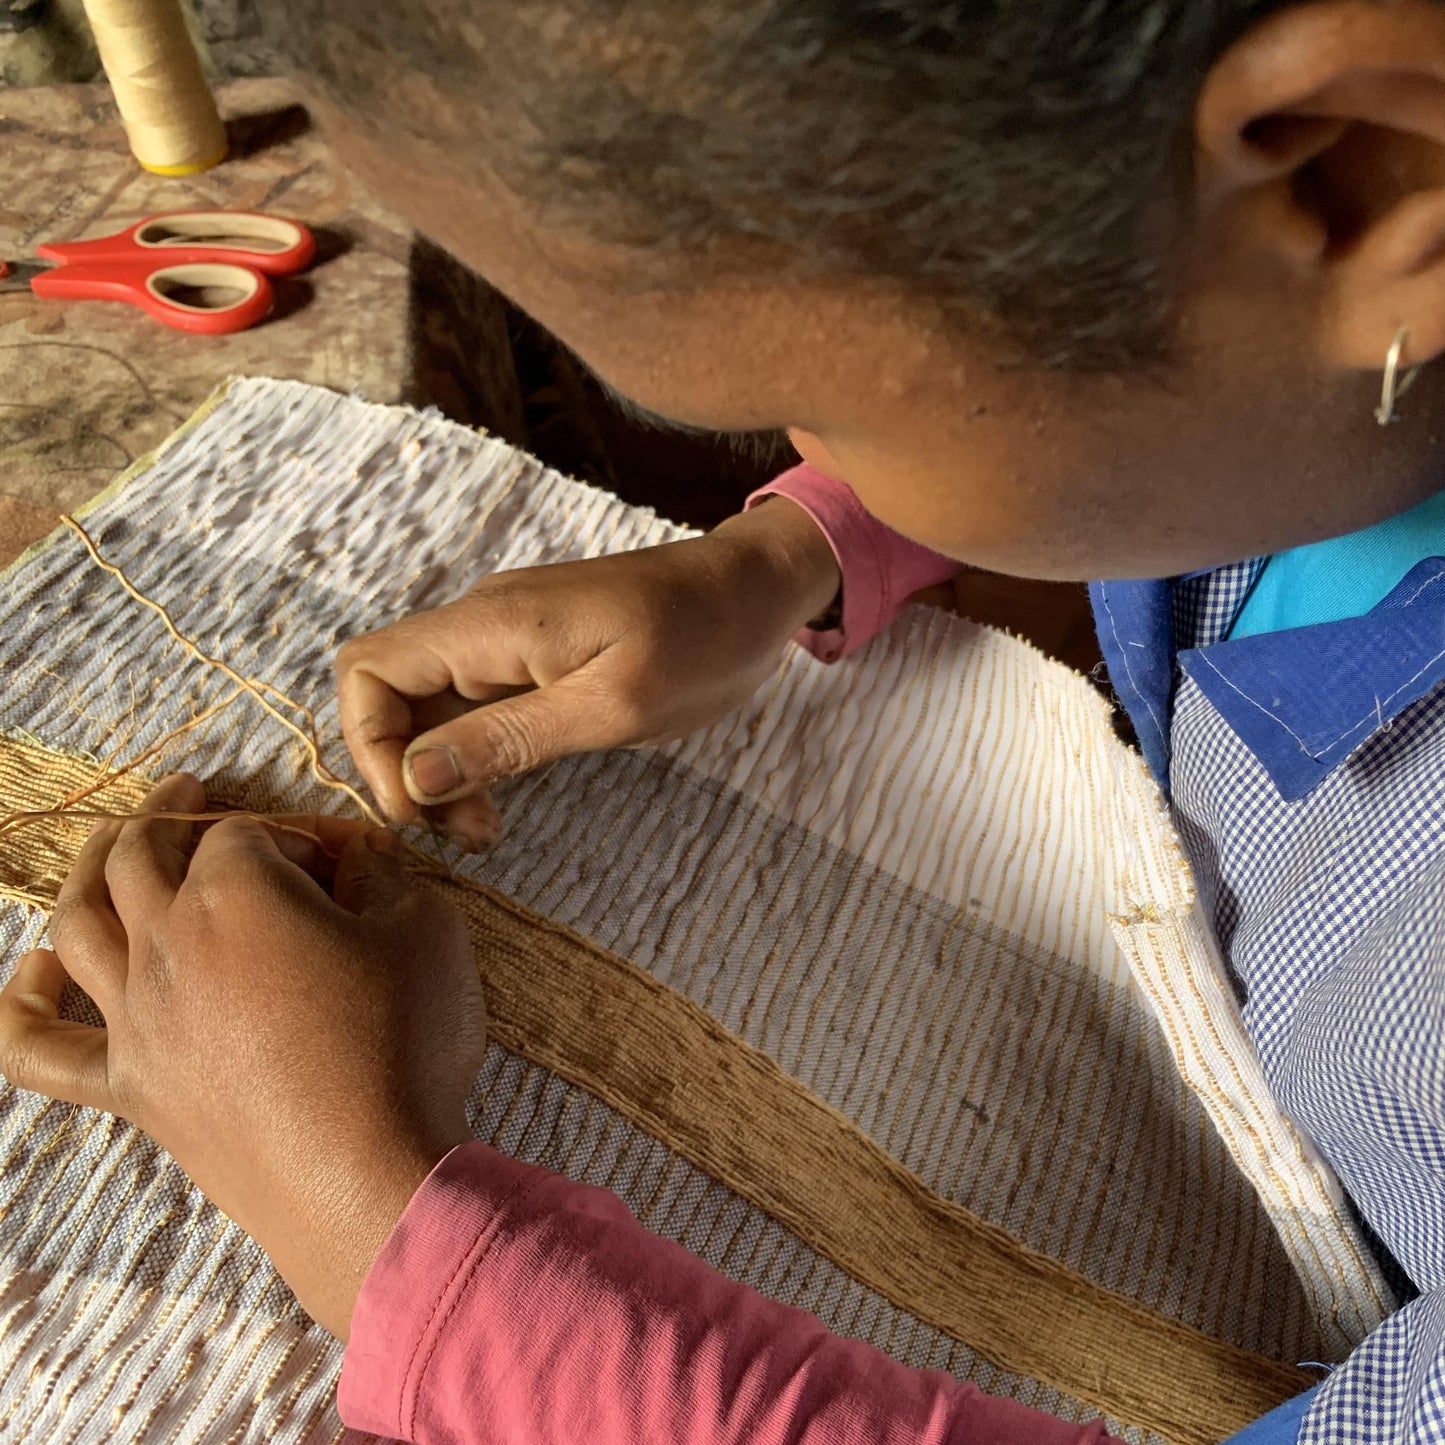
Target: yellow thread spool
(169,112)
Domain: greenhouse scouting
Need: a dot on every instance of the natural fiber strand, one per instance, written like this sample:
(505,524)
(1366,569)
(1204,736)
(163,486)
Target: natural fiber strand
(110,770)
(610,1028)
(11,821)
(421,862)
(258,690)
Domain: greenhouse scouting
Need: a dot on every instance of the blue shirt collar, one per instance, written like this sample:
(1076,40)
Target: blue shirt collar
(1302,700)
(1136,636)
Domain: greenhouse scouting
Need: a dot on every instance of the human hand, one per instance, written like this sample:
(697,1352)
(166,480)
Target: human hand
(305,1058)
(636,648)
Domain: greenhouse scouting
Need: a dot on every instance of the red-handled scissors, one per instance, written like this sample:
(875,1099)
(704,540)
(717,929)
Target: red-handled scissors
(200,271)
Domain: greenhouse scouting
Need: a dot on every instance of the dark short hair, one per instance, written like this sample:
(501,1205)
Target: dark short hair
(1027,162)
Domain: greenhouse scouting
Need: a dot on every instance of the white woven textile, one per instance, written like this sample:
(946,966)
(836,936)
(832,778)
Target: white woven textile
(928,881)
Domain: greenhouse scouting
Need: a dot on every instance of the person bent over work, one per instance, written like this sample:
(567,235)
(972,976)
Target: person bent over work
(1142,289)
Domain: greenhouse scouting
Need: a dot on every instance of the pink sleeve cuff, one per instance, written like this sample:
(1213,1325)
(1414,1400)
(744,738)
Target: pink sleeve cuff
(881,570)
(417,1281)
(511,1304)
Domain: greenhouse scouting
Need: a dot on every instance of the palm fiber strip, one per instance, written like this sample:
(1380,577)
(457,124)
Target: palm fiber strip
(651,1054)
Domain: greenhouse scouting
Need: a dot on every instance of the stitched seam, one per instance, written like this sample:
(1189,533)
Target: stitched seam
(432,1332)
(1253,702)
(1383,702)
(1428,582)
(1129,671)
(1374,713)
(864,522)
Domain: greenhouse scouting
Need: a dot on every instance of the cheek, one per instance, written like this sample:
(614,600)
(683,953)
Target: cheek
(1039,507)
(1006,511)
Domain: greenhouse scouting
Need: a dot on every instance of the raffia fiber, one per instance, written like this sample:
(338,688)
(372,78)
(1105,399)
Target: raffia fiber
(925,892)
(660,1061)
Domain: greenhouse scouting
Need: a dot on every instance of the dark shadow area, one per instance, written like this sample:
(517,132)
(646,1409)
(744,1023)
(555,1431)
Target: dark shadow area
(459,349)
(22,15)
(697,478)
(250,135)
(331,242)
(1054,616)
(293,294)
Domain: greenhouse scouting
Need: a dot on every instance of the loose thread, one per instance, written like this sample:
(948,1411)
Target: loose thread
(255,688)
(128,730)
(110,773)
(10,821)
(300,707)
(258,690)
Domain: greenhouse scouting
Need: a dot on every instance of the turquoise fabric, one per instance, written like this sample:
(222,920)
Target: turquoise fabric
(1343,576)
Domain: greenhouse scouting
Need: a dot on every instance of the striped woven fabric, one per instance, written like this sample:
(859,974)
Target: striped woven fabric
(857,994)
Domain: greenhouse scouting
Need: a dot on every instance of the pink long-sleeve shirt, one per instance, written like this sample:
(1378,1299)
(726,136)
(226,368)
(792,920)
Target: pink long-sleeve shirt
(881,569)
(512,1306)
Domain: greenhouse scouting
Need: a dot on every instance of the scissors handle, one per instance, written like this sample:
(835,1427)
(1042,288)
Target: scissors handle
(271,245)
(206,298)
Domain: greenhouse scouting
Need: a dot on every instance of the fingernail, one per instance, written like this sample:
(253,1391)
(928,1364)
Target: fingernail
(383,840)
(434,771)
(476,842)
(489,825)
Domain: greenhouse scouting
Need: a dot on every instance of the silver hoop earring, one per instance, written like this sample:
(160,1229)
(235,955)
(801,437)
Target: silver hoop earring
(1395,385)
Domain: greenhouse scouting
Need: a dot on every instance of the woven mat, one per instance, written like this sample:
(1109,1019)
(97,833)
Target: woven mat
(858,994)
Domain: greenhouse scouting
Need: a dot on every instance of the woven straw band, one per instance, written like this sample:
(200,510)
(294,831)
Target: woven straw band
(610,1028)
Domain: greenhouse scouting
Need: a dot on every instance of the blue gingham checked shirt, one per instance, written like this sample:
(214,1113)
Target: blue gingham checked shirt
(1306,775)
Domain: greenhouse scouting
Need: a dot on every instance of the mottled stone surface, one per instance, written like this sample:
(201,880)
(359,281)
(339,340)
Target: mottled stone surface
(56,48)
(231,38)
(87,387)
(21,523)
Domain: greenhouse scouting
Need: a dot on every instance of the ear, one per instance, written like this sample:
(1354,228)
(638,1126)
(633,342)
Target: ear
(1323,129)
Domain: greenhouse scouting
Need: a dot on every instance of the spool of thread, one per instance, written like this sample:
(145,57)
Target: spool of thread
(169,112)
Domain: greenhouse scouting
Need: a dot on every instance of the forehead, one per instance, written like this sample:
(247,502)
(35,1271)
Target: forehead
(748,344)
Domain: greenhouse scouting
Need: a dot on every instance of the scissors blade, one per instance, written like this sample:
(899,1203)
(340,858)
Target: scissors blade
(17,275)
